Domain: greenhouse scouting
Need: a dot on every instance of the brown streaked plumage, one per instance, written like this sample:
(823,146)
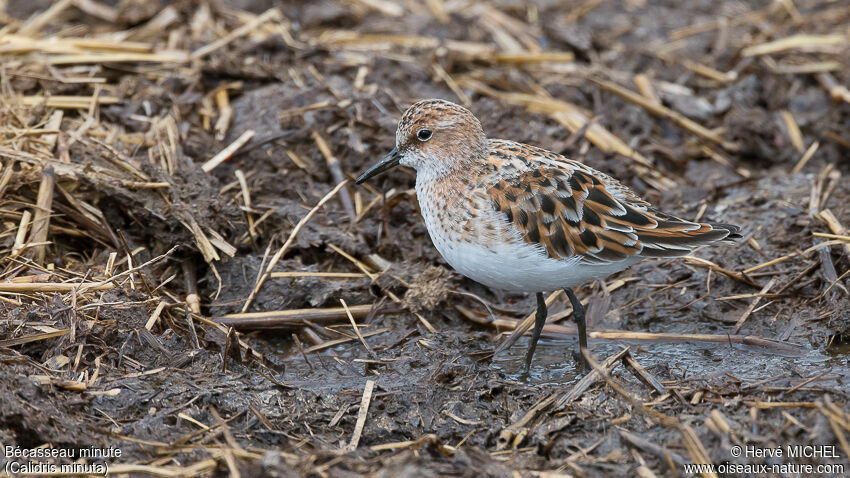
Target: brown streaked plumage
(519,217)
(572,210)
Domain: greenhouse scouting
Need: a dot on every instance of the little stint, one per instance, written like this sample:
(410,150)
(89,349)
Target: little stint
(521,218)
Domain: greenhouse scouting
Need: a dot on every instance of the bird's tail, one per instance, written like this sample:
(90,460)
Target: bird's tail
(678,237)
(733,235)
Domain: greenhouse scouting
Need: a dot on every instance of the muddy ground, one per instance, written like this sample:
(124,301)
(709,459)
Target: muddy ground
(183,395)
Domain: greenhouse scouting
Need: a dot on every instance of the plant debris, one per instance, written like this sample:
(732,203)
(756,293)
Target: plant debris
(189,275)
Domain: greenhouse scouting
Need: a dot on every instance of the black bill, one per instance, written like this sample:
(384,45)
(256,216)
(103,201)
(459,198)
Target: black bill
(389,161)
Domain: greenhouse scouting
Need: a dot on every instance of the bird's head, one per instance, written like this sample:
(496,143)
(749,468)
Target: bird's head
(436,138)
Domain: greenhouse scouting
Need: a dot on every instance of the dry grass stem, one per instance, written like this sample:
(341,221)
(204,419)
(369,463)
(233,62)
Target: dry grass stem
(136,308)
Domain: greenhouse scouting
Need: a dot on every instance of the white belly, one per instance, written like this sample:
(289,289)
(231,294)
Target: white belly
(521,267)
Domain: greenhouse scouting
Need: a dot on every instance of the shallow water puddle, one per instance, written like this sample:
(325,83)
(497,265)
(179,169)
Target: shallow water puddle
(554,363)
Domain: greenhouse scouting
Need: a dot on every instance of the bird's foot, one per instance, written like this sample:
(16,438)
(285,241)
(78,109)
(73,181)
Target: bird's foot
(581,362)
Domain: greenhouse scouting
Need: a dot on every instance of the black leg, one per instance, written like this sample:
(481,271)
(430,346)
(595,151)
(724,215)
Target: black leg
(539,322)
(578,313)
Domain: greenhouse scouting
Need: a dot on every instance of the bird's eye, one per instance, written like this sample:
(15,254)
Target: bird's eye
(424,134)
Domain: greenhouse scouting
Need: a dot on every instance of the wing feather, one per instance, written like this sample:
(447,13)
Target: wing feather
(569,209)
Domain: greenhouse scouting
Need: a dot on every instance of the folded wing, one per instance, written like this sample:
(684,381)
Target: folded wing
(571,210)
